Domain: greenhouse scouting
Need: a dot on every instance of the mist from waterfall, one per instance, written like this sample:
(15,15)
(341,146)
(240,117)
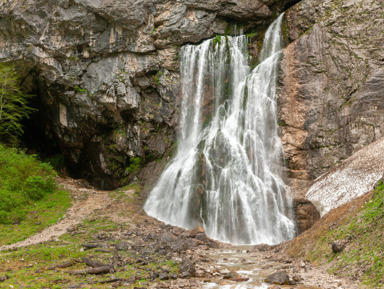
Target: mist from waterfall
(226,173)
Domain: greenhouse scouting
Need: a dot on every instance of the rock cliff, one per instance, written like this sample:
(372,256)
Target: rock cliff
(331,100)
(105,75)
(106,72)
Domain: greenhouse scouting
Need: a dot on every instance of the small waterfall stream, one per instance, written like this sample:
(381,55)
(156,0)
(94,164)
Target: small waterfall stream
(226,173)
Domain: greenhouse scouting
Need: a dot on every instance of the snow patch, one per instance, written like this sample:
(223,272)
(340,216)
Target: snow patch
(354,177)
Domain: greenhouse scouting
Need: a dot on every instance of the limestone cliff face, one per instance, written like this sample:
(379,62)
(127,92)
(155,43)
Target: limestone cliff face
(332,96)
(106,72)
(107,80)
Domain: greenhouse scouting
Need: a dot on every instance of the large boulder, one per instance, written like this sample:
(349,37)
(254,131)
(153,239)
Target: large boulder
(306,214)
(278,278)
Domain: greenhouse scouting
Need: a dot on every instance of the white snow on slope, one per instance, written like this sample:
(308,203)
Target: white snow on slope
(352,178)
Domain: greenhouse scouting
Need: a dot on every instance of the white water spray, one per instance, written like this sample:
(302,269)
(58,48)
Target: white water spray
(226,172)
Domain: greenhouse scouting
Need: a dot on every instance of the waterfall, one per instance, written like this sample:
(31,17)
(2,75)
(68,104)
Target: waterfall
(226,173)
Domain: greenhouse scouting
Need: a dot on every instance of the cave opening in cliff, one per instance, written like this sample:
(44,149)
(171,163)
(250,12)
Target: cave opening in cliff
(38,137)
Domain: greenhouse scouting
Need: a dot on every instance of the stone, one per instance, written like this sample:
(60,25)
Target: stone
(262,247)
(338,246)
(278,278)
(306,214)
(72,228)
(163,276)
(123,246)
(4,278)
(239,279)
(173,276)
(196,230)
(231,275)
(187,269)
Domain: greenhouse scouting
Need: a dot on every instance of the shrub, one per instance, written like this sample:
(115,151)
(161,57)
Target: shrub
(24,181)
(36,187)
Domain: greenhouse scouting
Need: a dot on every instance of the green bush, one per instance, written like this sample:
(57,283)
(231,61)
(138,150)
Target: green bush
(36,187)
(24,181)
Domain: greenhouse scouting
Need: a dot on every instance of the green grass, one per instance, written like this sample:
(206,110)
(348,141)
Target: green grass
(134,165)
(29,197)
(29,266)
(130,197)
(363,256)
(38,216)
(157,77)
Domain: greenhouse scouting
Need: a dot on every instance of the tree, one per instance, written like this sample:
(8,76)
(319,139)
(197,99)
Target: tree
(13,105)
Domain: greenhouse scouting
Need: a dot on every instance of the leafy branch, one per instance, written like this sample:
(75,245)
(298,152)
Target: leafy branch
(13,104)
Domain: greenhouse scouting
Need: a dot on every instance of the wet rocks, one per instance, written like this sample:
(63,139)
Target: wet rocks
(239,279)
(231,275)
(196,231)
(262,247)
(278,278)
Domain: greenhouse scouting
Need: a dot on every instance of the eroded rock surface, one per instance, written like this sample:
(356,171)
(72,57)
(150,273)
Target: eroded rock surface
(106,72)
(331,101)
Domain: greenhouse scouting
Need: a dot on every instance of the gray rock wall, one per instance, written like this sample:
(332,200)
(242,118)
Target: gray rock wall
(107,74)
(332,94)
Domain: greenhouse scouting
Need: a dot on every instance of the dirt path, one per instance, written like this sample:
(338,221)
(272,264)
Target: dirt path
(85,202)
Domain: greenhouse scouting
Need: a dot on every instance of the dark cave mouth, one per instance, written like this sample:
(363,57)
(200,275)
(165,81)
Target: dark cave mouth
(39,138)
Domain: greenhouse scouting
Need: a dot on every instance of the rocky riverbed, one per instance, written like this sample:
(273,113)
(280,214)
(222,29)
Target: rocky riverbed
(115,245)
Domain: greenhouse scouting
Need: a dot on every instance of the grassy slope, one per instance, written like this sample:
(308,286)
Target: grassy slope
(30,266)
(360,223)
(29,198)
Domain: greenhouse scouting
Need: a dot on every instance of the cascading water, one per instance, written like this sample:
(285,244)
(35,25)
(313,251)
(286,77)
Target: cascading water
(226,172)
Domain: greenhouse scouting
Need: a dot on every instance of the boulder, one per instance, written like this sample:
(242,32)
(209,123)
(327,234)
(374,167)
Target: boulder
(262,247)
(195,231)
(306,214)
(231,275)
(187,269)
(338,246)
(163,276)
(278,278)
